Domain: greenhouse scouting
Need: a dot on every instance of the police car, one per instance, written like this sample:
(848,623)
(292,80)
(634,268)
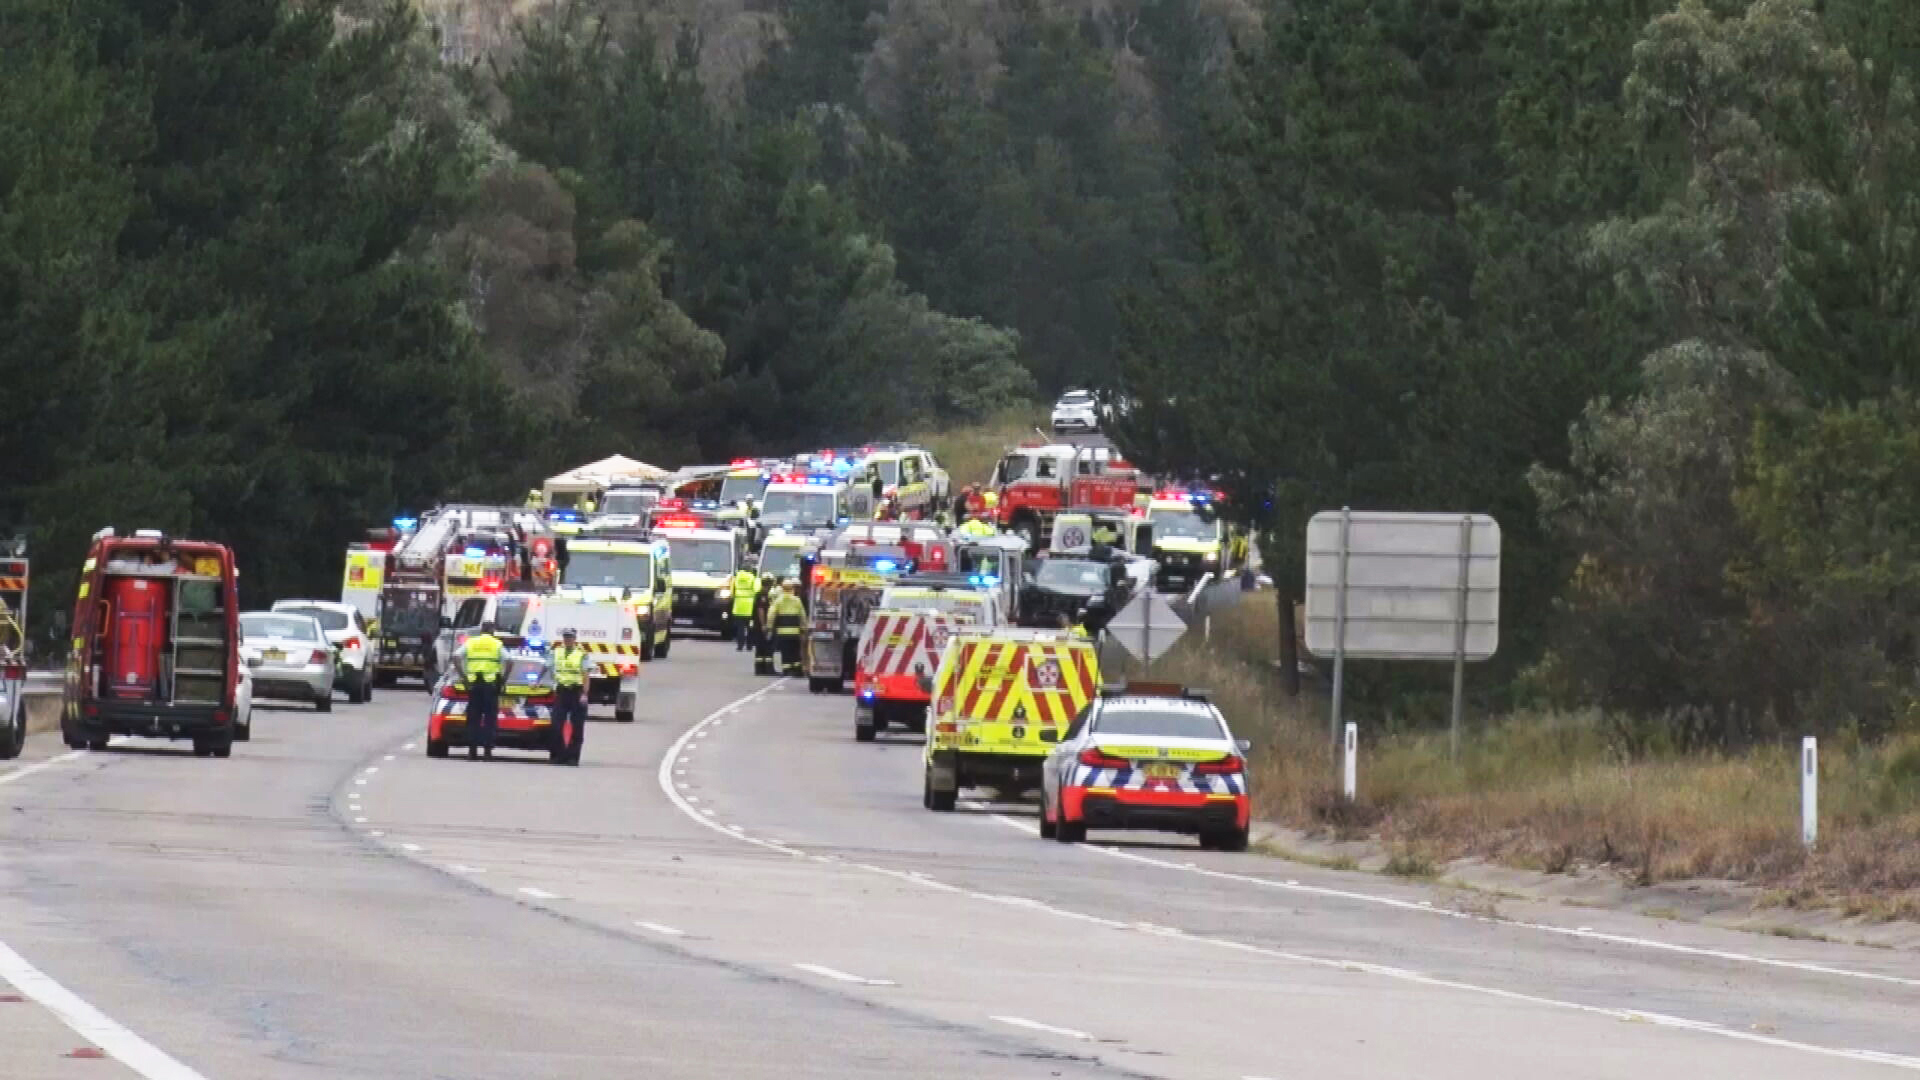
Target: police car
(1148,756)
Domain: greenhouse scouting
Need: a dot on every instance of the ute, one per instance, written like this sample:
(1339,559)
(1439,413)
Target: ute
(155,643)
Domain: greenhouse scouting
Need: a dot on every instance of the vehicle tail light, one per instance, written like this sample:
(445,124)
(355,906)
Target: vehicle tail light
(629,669)
(1229,764)
(946,727)
(15,671)
(350,643)
(319,657)
(1095,757)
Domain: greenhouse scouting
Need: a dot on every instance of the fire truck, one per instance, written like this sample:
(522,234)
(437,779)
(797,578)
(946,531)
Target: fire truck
(155,643)
(14,579)
(436,563)
(1036,481)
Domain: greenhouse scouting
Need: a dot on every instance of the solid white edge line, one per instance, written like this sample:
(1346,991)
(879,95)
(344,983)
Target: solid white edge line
(842,976)
(660,929)
(29,770)
(1426,907)
(1704,1027)
(1035,1025)
(538,894)
(123,1046)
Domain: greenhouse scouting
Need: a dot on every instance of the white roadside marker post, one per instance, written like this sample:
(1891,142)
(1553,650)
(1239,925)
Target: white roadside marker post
(1809,791)
(1350,781)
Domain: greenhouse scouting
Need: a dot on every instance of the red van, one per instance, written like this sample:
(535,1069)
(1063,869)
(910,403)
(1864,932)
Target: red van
(155,635)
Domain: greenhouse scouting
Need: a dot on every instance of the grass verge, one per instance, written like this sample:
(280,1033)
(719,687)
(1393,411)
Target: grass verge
(1554,792)
(969,453)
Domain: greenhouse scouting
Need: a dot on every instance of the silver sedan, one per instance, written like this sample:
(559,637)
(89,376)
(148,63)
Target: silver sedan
(289,657)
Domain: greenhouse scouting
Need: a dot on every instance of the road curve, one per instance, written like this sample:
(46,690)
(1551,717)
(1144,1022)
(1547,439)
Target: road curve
(732,887)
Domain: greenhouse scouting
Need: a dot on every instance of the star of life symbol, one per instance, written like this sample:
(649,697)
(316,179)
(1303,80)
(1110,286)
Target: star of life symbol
(1045,675)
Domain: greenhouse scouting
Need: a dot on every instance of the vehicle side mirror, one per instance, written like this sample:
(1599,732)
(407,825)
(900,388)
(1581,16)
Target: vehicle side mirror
(1049,735)
(446,622)
(1245,745)
(659,585)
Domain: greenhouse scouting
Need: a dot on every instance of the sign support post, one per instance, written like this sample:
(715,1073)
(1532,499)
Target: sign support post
(1340,626)
(1460,640)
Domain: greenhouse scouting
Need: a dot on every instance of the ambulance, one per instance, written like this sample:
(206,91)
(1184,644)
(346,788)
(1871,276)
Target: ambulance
(704,562)
(1001,700)
(782,553)
(616,595)
(1187,535)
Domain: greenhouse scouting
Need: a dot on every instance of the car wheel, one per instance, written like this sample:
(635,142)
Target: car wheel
(1225,840)
(940,802)
(1067,832)
(623,716)
(99,742)
(436,749)
(324,703)
(366,687)
(243,732)
(862,732)
(13,735)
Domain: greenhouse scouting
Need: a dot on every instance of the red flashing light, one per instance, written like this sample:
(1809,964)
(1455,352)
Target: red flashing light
(671,504)
(492,585)
(744,463)
(677,521)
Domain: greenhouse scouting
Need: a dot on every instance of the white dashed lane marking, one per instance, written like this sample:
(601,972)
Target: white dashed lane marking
(841,976)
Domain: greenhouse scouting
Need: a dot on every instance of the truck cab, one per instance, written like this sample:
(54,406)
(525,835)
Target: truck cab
(1036,482)
(156,643)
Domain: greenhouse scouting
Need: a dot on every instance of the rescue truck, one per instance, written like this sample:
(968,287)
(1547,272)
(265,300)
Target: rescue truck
(15,577)
(155,643)
(1187,536)
(1001,700)
(804,502)
(900,648)
(704,562)
(1036,481)
(616,595)
(840,590)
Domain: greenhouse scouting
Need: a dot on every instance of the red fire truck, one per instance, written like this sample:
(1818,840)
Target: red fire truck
(155,643)
(1035,481)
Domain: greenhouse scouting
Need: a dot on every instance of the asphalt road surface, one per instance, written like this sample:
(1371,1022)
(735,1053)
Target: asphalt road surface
(733,888)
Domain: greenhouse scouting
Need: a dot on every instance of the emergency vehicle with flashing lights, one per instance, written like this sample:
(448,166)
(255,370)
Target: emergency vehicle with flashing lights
(1187,536)
(704,562)
(804,502)
(840,589)
(616,595)
(1035,481)
(899,650)
(527,718)
(1153,756)
(623,506)
(782,552)
(1001,700)
(155,643)
(15,580)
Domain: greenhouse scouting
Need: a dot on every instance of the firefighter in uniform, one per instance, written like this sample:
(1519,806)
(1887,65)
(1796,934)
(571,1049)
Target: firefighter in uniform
(535,500)
(746,589)
(788,617)
(482,667)
(762,628)
(978,527)
(570,681)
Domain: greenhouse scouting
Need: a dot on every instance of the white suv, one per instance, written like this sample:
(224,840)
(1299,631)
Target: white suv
(1076,411)
(346,630)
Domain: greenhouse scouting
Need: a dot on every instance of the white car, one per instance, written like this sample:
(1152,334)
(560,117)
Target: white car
(347,631)
(1077,410)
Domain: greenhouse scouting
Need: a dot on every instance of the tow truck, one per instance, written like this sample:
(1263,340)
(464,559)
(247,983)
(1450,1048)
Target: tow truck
(15,577)
(155,632)
(1036,481)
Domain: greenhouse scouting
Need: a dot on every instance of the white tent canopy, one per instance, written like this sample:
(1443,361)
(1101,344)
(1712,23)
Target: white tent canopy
(602,474)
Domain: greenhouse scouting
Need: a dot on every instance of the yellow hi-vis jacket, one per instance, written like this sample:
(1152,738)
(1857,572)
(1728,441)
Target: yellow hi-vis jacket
(569,666)
(746,584)
(787,614)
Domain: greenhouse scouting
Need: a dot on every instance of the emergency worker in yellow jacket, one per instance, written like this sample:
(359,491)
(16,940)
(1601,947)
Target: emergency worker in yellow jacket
(482,665)
(787,616)
(570,685)
(746,587)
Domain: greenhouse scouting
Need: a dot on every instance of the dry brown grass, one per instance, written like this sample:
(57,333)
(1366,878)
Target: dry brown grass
(969,453)
(1554,792)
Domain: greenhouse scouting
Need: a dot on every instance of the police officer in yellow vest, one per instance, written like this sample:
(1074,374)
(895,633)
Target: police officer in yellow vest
(788,616)
(570,683)
(481,662)
(746,586)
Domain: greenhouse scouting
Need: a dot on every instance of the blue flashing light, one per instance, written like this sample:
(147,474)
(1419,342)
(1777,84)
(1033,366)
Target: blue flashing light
(886,566)
(1197,497)
(406,524)
(866,695)
(536,643)
(983,579)
(476,553)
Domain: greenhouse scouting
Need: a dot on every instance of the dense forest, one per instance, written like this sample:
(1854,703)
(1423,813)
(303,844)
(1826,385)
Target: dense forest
(1636,278)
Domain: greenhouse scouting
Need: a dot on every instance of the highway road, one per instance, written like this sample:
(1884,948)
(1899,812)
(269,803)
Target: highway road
(732,887)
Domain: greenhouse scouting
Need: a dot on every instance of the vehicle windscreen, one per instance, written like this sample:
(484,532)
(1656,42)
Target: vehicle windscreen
(329,620)
(889,472)
(701,556)
(742,488)
(409,611)
(1015,467)
(798,508)
(1074,575)
(290,627)
(510,614)
(1155,723)
(779,561)
(629,502)
(1182,524)
(1076,397)
(609,570)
